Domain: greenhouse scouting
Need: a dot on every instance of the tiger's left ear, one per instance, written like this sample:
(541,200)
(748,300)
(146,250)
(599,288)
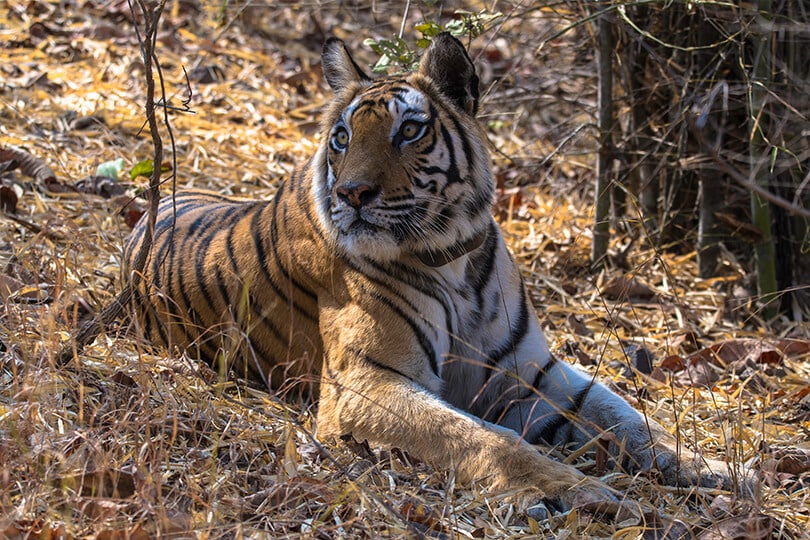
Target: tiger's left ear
(339,67)
(448,65)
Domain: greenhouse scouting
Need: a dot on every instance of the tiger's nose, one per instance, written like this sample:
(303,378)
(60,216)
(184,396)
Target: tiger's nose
(357,194)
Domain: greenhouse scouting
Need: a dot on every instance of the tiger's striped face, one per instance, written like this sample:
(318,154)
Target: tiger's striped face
(404,169)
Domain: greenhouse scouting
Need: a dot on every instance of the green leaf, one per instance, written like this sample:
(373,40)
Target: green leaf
(382,64)
(145,168)
(457,27)
(373,44)
(393,52)
(142,168)
(428,29)
(110,169)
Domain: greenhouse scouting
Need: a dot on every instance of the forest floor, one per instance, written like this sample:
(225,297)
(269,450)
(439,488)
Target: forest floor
(126,443)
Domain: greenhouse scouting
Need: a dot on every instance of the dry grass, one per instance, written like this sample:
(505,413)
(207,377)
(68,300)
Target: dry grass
(128,444)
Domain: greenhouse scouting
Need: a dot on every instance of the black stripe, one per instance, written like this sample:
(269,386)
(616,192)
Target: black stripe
(579,399)
(262,259)
(280,264)
(546,435)
(425,286)
(195,231)
(274,330)
(315,224)
(380,365)
(516,334)
(201,250)
(424,342)
(293,181)
(571,411)
(465,142)
(480,267)
(171,300)
(452,174)
(541,372)
(149,320)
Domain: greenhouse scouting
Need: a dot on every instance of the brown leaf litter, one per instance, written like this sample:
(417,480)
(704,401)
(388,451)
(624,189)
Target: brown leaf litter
(125,443)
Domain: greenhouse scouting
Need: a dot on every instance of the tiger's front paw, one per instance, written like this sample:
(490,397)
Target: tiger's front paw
(545,485)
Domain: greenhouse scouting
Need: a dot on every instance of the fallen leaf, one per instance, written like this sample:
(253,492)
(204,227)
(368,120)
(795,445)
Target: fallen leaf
(25,529)
(14,290)
(793,347)
(674,362)
(789,460)
(206,74)
(119,377)
(658,374)
(582,357)
(417,511)
(686,340)
(627,286)
(134,533)
(578,327)
(8,200)
(102,483)
(111,169)
(697,373)
(738,352)
(292,493)
(641,358)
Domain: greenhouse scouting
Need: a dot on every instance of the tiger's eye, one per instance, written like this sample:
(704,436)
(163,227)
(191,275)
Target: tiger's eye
(410,129)
(340,138)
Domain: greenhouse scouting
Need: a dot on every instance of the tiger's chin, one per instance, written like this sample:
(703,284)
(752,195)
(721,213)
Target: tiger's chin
(370,242)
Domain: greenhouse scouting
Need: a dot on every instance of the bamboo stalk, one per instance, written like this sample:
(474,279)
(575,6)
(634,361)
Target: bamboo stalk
(601,226)
(759,152)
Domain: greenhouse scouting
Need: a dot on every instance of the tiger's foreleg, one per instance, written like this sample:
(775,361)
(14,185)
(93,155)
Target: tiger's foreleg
(365,393)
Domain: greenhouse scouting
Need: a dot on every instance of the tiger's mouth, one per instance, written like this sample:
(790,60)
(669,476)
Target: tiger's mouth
(363,221)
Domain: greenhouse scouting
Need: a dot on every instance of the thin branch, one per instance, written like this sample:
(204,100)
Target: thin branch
(118,305)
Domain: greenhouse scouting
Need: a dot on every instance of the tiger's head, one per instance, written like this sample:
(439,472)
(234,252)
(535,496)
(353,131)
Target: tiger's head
(403,168)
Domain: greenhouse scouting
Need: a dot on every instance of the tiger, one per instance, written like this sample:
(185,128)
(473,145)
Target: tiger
(377,279)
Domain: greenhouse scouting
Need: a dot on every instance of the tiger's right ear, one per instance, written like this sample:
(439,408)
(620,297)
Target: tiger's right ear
(339,67)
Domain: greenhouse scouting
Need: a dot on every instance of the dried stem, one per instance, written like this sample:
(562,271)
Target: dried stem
(90,330)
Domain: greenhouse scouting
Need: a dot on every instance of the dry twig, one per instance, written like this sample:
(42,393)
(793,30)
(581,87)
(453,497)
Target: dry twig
(118,305)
